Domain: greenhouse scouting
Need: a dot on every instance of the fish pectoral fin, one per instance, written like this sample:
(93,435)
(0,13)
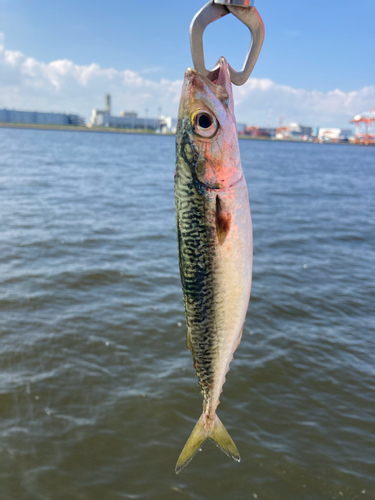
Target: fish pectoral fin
(218,435)
(223,220)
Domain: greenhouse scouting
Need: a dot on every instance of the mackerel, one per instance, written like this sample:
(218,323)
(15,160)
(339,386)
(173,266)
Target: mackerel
(214,234)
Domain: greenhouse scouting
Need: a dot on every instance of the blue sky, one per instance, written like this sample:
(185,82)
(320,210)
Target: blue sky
(311,50)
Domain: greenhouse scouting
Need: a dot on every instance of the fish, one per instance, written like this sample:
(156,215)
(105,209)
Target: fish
(214,239)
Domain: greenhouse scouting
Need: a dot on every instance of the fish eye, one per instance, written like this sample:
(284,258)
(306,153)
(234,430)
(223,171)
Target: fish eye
(204,123)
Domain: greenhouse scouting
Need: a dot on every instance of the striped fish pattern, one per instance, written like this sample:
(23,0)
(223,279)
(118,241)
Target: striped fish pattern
(214,235)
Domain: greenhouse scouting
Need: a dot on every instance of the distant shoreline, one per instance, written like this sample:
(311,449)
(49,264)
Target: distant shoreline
(74,128)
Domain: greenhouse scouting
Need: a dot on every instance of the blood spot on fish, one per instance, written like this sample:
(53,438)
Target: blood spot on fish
(223,220)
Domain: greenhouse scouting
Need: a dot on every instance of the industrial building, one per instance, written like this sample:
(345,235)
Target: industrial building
(128,119)
(298,132)
(334,135)
(294,131)
(263,133)
(241,128)
(167,124)
(36,117)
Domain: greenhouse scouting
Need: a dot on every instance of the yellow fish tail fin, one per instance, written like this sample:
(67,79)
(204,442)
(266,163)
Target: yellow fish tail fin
(218,434)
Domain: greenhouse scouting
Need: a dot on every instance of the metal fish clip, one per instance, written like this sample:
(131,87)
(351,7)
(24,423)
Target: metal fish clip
(245,11)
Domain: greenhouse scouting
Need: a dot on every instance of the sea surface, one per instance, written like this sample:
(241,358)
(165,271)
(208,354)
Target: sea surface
(98,393)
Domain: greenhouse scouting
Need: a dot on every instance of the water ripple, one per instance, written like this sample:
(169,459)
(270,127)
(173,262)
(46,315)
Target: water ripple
(97,389)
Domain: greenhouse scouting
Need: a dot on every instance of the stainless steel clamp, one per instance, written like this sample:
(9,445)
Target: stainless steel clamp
(245,11)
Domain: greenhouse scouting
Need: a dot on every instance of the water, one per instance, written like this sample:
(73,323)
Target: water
(97,390)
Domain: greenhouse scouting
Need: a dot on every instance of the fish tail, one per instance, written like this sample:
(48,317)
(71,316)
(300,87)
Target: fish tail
(218,434)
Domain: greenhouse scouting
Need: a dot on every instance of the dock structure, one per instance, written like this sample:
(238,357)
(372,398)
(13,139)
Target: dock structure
(365,128)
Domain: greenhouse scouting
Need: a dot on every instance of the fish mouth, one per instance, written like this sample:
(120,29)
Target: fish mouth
(218,79)
(219,74)
(213,75)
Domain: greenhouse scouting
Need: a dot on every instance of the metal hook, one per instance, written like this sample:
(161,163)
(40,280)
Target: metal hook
(215,9)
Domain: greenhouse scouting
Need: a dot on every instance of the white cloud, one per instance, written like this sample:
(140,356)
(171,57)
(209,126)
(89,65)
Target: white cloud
(28,84)
(259,98)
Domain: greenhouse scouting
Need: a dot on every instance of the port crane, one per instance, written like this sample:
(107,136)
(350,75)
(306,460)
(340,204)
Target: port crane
(365,129)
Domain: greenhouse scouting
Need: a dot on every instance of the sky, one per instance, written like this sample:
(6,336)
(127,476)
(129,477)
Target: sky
(316,66)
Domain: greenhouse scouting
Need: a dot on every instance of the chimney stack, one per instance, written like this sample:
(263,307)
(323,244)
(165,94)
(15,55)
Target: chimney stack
(108,103)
